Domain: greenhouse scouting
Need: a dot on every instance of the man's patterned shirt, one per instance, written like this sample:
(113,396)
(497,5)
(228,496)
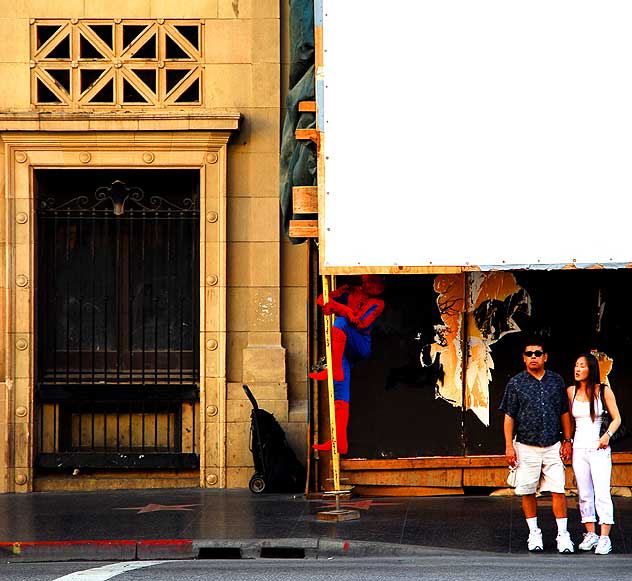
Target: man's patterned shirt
(536,407)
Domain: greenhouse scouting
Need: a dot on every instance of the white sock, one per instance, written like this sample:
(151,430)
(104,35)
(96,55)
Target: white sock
(561,525)
(533,524)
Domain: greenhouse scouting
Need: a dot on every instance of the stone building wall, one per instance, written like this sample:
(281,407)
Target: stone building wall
(254,327)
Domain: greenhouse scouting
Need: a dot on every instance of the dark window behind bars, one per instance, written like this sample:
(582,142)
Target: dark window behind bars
(118,291)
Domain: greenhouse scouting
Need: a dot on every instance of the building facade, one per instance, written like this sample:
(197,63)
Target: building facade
(144,275)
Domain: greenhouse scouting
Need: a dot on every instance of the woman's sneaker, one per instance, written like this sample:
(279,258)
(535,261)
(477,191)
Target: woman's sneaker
(535,541)
(589,542)
(604,546)
(564,543)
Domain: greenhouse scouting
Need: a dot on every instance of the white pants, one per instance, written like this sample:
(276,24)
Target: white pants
(592,472)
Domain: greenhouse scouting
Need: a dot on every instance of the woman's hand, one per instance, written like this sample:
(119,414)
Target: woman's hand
(604,441)
(566,451)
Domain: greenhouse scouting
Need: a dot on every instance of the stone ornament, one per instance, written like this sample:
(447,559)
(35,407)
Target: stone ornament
(21,344)
(21,411)
(212,217)
(21,217)
(211,411)
(21,156)
(211,479)
(148,157)
(21,280)
(212,280)
(211,344)
(85,157)
(212,158)
(21,479)
(123,63)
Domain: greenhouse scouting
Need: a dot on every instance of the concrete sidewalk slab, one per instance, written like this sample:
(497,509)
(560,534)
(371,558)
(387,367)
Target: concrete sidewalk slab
(177,524)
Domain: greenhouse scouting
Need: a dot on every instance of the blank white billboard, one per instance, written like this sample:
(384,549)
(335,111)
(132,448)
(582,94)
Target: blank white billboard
(477,132)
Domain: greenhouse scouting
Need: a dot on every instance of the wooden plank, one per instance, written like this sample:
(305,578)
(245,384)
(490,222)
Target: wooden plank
(304,228)
(621,475)
(490,461)
(485,476)
(443,478)
(406,491)
(50,427)
(318,45)
(425,463)
(344,270)
(307,107)
(115,480)
(187,427)
(307,134)
(305,199)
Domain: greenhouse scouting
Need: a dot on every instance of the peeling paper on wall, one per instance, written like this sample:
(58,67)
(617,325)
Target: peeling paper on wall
(449,336)
(493,299)
(605,366)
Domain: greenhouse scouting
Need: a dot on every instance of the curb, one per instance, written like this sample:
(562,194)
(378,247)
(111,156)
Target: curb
(18,551)
(175,549)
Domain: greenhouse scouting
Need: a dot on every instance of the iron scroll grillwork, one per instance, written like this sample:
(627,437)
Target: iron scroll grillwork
(118,326)
(119,195)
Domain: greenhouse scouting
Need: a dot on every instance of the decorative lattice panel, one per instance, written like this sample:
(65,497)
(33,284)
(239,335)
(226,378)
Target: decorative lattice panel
(101,63)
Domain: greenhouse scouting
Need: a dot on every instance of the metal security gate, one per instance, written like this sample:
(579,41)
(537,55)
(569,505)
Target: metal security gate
(117,309)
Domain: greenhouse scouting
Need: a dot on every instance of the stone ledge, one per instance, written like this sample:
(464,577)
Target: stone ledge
(125,120)
(261,391)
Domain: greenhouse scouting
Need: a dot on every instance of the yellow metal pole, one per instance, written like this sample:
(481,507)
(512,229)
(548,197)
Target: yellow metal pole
(335,456)
(337,515)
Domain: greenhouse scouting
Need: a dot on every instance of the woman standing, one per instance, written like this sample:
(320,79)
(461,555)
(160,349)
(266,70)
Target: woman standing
(592,462)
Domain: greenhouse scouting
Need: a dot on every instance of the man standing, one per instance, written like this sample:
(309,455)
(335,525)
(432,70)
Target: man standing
(536,411)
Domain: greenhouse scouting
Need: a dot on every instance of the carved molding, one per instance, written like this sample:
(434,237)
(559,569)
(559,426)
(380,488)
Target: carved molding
(113,62)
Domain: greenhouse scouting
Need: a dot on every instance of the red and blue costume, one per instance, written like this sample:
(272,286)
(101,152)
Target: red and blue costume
(356,308)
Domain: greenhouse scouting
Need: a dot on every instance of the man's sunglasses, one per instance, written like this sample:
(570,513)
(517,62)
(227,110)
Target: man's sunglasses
(537,353)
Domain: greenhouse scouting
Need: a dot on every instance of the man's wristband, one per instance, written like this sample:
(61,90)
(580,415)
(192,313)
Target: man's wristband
(569,440)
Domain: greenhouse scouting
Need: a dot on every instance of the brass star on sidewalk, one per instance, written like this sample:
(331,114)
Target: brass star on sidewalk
(159,507)
(361,504)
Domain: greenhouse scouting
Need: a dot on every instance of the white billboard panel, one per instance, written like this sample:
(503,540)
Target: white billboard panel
(477,132)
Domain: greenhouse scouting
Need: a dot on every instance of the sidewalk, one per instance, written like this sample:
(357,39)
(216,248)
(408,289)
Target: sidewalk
(191,523)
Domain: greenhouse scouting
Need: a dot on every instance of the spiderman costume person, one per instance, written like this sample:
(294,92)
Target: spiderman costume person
(356,309)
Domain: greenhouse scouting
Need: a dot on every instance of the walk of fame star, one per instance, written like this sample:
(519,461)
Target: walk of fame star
(158,507)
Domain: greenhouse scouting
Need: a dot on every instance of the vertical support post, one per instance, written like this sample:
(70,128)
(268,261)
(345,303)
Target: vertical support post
(335,456)
(337,515)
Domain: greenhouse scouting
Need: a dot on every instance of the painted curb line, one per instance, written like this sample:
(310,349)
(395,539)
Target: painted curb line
(172,549)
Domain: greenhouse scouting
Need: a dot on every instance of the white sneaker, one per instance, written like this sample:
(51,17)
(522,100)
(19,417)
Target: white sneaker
(535,541)
(589,542)
(604,546)
(564,543)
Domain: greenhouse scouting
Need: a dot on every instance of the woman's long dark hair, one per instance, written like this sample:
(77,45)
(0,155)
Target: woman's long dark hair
(592,381)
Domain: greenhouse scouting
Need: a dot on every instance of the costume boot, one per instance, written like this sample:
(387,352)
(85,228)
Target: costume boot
(338,342)
(342,420)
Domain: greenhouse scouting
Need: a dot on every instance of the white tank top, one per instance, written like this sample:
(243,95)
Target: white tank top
(587,430)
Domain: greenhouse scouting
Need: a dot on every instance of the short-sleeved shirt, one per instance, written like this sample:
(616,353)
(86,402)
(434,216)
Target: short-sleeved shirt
(536,406)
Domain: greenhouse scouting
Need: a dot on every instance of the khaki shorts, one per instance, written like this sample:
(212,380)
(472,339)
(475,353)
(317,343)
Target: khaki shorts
(539,469)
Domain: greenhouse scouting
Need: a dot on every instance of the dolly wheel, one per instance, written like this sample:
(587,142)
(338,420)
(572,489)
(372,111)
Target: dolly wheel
(257,484)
